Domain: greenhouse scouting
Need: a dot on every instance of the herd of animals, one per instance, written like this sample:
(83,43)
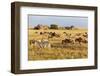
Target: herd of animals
(67,39)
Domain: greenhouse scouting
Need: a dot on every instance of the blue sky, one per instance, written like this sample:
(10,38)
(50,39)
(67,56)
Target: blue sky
(59,20)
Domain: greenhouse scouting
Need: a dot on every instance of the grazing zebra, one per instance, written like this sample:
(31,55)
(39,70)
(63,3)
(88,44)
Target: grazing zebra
(45,43)
(38,43)
(42,43)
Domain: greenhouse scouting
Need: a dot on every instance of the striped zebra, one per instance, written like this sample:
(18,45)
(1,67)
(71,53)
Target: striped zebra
(42,43)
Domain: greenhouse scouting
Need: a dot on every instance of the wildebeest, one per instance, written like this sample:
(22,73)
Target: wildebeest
(79,40)
(31,41)
(41,33)
(85,35)
(65,41)
(53,34)
(84,41)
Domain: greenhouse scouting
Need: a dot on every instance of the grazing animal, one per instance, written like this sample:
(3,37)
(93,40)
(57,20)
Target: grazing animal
(54,34)
(84,41)
(41,33)
(85,35)
(45,43)
(65,41)
(79,40)
(38,43)
(57,35)
(42,43)
(64,32)
(31,41)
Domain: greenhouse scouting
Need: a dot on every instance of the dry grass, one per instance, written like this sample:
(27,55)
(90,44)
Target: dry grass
(74,51)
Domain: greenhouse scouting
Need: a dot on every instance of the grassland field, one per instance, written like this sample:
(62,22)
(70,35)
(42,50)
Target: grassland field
(72,51)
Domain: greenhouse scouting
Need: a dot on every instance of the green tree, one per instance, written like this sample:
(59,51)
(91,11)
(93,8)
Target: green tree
(53,26)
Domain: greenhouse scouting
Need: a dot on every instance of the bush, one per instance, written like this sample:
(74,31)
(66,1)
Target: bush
(53,26)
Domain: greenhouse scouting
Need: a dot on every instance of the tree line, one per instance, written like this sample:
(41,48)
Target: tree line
(53,26)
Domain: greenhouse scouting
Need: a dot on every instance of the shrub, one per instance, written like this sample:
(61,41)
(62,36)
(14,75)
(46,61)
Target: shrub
(53,26)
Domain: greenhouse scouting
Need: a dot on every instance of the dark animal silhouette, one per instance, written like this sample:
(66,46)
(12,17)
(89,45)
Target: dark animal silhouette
(79,40)
(65,41)
(31,41)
